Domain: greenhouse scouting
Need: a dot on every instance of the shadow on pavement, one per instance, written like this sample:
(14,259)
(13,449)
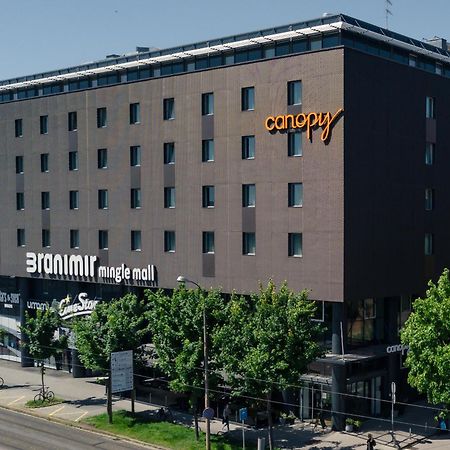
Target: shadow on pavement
(90,401)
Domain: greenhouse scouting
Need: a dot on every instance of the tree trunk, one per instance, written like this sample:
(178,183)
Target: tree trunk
(269,419)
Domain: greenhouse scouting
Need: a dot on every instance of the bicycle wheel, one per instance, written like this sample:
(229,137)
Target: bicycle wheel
(38,397)
(1,382)
(49,395)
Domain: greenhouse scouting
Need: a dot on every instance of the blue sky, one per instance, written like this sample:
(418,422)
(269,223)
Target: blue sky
(41,35)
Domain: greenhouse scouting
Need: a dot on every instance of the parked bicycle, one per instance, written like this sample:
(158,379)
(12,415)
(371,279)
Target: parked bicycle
(164,414)
(2,382)
(44,395)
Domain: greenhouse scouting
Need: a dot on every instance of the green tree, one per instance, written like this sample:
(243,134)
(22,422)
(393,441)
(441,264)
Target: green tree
(427,333)
(267,342)
(40,336)
(176,322)
(114,326)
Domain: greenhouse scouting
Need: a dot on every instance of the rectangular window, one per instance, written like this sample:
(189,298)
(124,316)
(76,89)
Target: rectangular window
(44,162)
(18,127)
(248,243)
(45,238)
(103,239)
(102,199)
(135,155)
(248,99)
(294,92)
(73,160)
(208,196)
(429,199)
(248,195)
(295,195)
(438,68)
(370,309)
(20,201)
(74,199)
(20,237)
(136,240)
(248,147)
(208,104)
(102,158)
(295,244)
(43,124)
(135,113)
(169,241)
(295,143)
(429,153)
(72,121)
(19,164)
(135,198)
(169,153)
(74,239)
(430,108)
(208,150)
(101,117)
(429,244)
(169,108)
(169,197)
(208,242)
(45,200)
(412,60)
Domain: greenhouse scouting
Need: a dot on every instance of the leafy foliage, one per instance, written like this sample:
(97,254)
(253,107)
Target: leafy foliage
(427,333)
(120,324)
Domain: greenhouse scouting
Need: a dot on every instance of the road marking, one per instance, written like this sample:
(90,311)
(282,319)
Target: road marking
(82,415)
(16,400)
(56,410)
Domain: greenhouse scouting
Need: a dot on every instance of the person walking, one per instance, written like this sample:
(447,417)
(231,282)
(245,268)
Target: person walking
(371,442)
(226,417)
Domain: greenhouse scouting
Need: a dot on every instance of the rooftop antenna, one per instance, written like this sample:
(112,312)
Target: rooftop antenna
(388,12)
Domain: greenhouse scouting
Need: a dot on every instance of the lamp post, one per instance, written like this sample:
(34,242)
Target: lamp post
(182,279)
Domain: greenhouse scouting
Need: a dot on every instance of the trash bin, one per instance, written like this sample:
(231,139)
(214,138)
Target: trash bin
(261,443)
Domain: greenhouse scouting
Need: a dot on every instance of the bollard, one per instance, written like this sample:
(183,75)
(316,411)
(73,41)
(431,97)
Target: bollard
(261,443)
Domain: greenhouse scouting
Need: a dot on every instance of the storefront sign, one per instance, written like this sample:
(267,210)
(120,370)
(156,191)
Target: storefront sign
(34,305)
(9,299)
(122,371)
(81,305)
(307,122)
(397,348)
(87,266)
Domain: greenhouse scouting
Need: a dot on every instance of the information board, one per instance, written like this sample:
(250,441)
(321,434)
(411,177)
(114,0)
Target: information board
(121,371)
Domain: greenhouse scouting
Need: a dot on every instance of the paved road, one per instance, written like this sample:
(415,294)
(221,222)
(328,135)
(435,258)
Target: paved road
(22,432)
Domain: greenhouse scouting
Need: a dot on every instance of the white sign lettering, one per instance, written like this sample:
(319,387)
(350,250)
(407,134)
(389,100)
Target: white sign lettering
(81,305)
(397,348)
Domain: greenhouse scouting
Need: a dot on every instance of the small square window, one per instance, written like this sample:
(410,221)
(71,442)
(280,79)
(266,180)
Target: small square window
(45,238)
(74,239)
(135,155)
(20,201)
(44,162)
(102,199)
(136,241)
(169,153)
(295,195)
(169,241)
(102,158)
(430,108)
(101,117)
(72,121)
(429,153)
(103,239)
(208,242)
(248,195)
(20,237)
(429,244)
(169,109)
(18,127)
(73,199)
(169,197)
(135,198)
(248,243)
(208,196)
(295,143)
(43,124)
(248,147)
(429,199)
(208,104)
(208,150)
(73,160)
(295,244)
(248,99)
(19,164)
(294,92)
(45,200)
(135,113)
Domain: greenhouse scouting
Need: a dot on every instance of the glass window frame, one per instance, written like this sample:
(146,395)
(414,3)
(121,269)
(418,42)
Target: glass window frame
(248,145)
(74,238)
(103,200)
(208,238)
(43,124)
(103,238)
(169,197)
(294,92)
(208,104)
(249,195)
(295,245)
(208,196)
(72,121)
(170,243)
(249,243)
(135,113)
(135,198)
(74,199)
(136,240)
(295,190)
(169,108)
(102,158)
(248,98)
(169,152)
(208,150)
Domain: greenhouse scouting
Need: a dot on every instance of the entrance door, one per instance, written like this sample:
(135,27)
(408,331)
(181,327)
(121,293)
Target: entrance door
(375,407)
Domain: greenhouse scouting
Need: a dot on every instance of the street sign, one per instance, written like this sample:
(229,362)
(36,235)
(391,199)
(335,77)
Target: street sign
(208,413)
(243,414)
(122,371)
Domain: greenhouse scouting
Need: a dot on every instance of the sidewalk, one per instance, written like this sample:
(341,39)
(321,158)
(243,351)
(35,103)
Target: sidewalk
(84,398)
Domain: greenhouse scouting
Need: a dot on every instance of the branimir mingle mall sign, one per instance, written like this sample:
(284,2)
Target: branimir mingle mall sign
(88,266)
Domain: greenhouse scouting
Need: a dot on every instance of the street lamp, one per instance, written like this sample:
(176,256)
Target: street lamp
(207,412)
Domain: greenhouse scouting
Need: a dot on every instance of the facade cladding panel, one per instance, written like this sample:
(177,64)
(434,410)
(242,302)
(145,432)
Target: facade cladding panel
(320,169)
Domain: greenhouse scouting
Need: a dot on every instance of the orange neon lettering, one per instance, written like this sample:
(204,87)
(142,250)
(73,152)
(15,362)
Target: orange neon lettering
(280,123)
(327,125)
(311,123)
(289,117)
(300,123)
(270,127)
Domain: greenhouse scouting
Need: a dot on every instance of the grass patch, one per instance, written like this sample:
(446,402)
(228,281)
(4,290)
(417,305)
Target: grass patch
(169,435)
(43,403)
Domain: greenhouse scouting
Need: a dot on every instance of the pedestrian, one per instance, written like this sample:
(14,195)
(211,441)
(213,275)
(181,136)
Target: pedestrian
(371,442)
(226,417)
